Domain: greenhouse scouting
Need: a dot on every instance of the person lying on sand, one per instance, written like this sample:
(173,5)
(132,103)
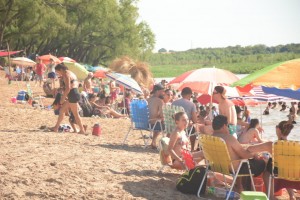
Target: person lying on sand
(103,108)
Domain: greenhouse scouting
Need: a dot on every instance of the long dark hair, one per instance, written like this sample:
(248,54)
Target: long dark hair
(285,127)
(61,66)
(253,123)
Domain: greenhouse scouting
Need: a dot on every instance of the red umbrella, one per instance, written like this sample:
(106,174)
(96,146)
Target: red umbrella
(46,59)
(66,59)
(205,99)
(100,73)
(203,80)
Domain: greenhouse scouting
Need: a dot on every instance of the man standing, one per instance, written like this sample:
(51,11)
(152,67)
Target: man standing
(190,110)
(226,108)
(51,73)
(155,104)
(87,84)
(39,70)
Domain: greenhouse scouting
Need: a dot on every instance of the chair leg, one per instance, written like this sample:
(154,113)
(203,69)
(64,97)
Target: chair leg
(126,136)
(269,187)
(145,139)
(202,182)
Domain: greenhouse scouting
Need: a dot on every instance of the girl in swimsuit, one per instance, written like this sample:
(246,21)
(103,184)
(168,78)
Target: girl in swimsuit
(70,98)
(179,142)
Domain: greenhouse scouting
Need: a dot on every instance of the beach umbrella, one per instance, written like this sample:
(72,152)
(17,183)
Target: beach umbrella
(78,69)
(66,59)
(4,53)
(126,81)
(293,94)
(283,75)
(204,80)
(22,61)
(46,59)
(100,73)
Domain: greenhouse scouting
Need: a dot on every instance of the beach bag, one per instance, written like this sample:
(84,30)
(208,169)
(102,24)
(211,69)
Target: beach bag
(86,107)
(189,182)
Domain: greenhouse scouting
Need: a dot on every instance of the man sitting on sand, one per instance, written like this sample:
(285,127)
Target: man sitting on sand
(238,152)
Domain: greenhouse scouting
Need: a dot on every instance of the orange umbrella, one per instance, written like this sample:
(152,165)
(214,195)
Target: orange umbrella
(100,73)
(284,75)
(46,59)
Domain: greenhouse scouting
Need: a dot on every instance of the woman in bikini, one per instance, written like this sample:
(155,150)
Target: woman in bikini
(70,97)
(252,134)
(179,142)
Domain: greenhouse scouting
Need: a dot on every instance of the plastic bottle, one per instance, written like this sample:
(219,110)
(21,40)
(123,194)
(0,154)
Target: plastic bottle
(222,193)
(97,129)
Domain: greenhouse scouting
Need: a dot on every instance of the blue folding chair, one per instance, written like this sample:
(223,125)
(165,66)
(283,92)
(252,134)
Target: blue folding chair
(139,114)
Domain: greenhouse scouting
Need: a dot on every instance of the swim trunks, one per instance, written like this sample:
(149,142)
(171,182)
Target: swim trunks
(232,130)
(257,167)
(74,95)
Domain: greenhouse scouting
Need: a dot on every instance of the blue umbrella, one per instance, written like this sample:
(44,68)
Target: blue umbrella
(293,94)
(126,81)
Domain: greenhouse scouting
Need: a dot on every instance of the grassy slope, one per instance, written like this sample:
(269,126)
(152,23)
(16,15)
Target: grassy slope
(175,70)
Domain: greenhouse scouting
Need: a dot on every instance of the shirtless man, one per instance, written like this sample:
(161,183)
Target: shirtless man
(226,108)
(155,104)
(87,84)
(237,152)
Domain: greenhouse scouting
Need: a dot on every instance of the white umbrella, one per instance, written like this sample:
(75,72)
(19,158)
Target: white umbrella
(22,61)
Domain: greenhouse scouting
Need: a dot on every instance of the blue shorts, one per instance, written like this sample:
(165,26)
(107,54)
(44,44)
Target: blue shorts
(157,127)
(51,75)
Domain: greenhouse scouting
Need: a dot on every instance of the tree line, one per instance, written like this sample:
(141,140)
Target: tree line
(89,31)
(240,58)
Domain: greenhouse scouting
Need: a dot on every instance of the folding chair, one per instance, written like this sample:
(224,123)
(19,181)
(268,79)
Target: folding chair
(38,98)
(168,113)
(140,120)
(218,160)
(286,161)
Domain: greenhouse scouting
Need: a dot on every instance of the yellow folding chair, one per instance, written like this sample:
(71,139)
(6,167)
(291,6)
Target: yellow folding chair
(286,161)
(217,159)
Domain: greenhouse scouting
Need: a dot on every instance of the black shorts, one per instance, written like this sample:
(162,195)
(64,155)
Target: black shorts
(257,167)
(51,75)
(74,95)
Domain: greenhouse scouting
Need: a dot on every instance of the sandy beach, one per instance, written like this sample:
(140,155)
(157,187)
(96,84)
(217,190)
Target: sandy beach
(35,164)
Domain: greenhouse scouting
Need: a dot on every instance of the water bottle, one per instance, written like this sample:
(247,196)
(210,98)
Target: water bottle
(97,129)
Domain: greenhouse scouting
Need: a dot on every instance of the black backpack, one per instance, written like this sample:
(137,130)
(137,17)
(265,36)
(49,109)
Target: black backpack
(86,106)
(189,182)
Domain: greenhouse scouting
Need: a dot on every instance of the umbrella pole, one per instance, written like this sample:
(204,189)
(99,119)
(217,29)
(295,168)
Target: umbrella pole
(261,121)
(8,60)
(124,107)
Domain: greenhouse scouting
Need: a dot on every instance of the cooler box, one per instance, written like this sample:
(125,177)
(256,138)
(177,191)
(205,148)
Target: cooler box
(251,195)
(21,95)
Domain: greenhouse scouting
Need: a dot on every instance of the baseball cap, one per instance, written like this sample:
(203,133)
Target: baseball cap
(157,87)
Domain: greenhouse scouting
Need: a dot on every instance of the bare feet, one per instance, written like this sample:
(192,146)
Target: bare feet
(53,129)
(85,127)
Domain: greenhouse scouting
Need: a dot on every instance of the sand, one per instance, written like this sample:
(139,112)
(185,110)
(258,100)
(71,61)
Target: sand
(35,164)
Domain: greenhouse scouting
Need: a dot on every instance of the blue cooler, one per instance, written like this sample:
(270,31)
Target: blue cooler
(21,95)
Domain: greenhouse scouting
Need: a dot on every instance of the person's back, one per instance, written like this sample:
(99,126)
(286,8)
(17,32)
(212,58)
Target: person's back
(248,137)
(155,108)
(188,106)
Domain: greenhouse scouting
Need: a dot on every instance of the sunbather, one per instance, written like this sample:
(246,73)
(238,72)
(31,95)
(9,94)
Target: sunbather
(252,134)
(106,110)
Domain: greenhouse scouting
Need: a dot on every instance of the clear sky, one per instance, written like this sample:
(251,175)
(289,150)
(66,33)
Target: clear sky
(184,24)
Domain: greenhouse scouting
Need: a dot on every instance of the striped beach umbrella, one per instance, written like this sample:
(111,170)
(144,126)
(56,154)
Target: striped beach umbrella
(283,75)
(204,80)
(126,81)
